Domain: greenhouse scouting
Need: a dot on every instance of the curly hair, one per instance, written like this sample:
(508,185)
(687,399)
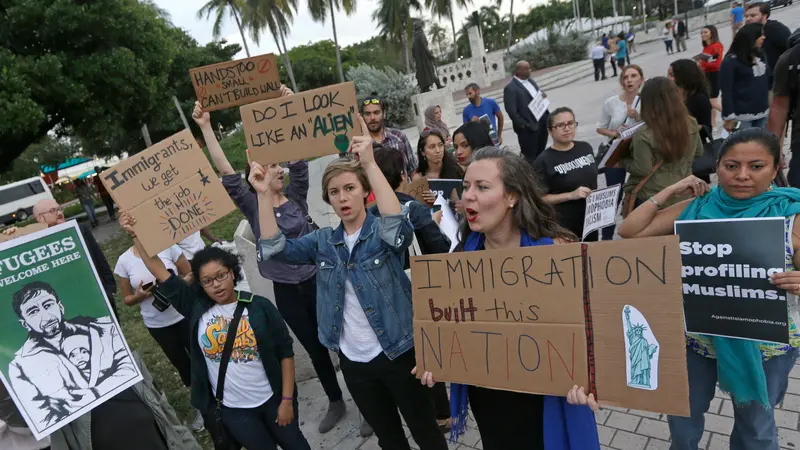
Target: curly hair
(215,254)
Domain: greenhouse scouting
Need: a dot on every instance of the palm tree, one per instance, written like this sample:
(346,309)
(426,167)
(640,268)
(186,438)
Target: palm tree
(319,10)
(394,22)
(438,35)
(219,7)
(445,8)
(275,15)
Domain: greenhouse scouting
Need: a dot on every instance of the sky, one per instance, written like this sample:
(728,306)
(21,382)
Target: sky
(356,28)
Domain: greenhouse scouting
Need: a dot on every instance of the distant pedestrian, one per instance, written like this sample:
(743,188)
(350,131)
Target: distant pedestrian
(666,35)
(631,38)
(598,55)
(104,195)
(776,35)
(710,66)
(679,31)
(86,197)
(531,132)
(743,81)
(482,109)
(622,50)
(611,49)
(737,17)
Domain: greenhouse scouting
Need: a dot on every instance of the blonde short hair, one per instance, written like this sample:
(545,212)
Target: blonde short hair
(342,165)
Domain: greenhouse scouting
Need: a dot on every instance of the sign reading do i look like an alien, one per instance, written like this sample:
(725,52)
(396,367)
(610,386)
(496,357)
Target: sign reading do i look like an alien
(309,124)
(170,188)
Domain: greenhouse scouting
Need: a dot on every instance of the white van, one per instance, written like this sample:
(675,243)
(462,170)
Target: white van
(17,199)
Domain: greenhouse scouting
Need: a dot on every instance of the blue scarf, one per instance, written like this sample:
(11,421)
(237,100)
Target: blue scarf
(566,427)
(740,370)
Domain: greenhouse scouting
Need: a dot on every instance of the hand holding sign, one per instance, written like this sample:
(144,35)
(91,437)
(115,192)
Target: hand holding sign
(577,396)
(690,185)
(126,222)
(580,193)
(261,177)
(361,146)
(201,118)
(788,281)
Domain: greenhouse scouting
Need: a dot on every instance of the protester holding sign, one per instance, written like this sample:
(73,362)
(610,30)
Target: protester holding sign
(504,211)
(294,285)
(568,172)
(365,309)
(435,162)
(664,148)
(245,393)
(468,138)
(753,373)
(620,112)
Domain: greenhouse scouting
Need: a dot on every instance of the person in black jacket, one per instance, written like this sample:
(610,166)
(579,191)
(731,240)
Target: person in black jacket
(743,81)
(531,132)
(693,85)
(776,35)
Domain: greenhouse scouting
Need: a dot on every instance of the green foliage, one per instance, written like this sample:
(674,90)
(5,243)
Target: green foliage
(555,49)
(392,86)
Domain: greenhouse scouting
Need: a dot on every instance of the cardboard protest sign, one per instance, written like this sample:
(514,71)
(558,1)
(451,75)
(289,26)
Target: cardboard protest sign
(62,352)
(301,126)
(601,209)
(726,270)
(638,340)
(607,316)
(170,188)
(22,231)
(234,83)
(416,188)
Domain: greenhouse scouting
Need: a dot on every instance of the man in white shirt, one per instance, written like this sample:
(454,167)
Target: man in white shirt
(598,55)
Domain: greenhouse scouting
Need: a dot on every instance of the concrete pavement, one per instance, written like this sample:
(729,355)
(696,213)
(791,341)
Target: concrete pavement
(619,429)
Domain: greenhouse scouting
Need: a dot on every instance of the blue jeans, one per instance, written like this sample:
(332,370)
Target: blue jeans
(88,208)
(758,123)
(753,426)
(256,429)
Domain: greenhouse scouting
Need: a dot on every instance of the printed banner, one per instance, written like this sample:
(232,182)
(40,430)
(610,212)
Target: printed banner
(601,209)
(171,190)
(301,126)
(607,316)
(235,83)
(62,352)
(445,188)
(726,270)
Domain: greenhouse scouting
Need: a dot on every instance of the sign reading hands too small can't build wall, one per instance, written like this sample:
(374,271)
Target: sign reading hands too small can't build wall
(234,83)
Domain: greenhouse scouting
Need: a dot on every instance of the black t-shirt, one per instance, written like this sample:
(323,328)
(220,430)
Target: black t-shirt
(787,84)
(699,106)
(565,171)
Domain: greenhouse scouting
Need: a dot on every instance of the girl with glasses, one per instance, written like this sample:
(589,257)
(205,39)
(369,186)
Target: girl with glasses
(567,171)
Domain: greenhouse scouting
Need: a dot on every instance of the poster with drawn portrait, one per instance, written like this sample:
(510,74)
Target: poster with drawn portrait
(62,352)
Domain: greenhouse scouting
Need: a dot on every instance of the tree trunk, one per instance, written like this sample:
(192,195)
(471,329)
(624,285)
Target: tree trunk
(405,46)
(284,52)
(455,38)
(510,26)
(241,30)
(336,42)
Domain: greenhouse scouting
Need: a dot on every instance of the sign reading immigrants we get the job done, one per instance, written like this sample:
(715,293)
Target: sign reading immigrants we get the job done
(171,190)
(607,316)
(301,126)
(726,269)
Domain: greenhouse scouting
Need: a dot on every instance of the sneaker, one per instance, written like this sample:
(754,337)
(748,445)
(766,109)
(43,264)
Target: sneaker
(335,413)
(365,430)
(198,424)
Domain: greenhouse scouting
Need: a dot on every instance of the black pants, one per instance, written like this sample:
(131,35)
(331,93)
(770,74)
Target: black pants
(613,61)
(257,429)
(381,387)
(109,202)
(174,341)
(297,303)
(599,69)
(532,143)
(441,403)
(614,175)
(508,420)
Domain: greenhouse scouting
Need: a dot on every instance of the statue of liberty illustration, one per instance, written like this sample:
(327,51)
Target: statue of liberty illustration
(640,352)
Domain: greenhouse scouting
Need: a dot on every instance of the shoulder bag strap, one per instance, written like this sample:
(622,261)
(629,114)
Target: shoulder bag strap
(228,349)
(635,192)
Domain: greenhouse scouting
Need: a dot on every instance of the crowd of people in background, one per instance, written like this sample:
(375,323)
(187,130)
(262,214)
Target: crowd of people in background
(347,290)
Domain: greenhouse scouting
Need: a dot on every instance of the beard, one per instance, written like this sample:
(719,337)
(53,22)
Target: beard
(51,329)
(474,100)
(374,127)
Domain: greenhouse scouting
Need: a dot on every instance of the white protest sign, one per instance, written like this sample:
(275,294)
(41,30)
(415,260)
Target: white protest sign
(449,223)
(538,105)
(601,209)
(630,131)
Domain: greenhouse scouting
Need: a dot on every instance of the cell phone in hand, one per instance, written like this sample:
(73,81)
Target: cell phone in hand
(437,208)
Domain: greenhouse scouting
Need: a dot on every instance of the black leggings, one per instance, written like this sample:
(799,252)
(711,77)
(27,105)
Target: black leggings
(508,420)
(297,303)
(174,341)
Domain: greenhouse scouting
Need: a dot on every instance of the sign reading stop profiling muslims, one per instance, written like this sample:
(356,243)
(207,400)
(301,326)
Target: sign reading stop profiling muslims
(726,266)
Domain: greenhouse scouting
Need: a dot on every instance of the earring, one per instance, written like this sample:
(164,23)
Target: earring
(511,205)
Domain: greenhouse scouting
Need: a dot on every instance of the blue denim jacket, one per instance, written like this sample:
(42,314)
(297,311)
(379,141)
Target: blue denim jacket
(375,267)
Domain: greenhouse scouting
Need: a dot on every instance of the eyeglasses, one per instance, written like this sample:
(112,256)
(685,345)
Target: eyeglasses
(219,278)
(565,125)
(53,211)
(372,101)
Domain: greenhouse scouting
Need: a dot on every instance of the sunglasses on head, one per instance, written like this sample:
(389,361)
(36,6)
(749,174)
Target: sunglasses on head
(372,101)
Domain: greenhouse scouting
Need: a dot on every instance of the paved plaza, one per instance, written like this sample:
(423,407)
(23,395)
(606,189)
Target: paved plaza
(618,428)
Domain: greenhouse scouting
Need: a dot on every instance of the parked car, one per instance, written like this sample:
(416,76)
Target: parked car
(777,3)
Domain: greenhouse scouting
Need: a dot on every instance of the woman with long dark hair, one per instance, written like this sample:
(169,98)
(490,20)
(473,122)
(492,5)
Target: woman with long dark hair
(504,211)
(754,373)
(467,138)
(743,80)
(693,88)
(665,147)
(710,65)
(435,162)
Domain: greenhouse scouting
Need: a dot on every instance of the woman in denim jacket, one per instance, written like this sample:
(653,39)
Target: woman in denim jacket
(364,296)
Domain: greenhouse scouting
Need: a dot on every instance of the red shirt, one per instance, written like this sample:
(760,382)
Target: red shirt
(717,52)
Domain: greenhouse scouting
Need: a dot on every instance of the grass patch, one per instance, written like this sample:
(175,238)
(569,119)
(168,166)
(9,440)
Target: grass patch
(140,340)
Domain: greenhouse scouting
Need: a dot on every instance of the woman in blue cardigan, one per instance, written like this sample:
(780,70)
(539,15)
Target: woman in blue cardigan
(743,81)
(504,211)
